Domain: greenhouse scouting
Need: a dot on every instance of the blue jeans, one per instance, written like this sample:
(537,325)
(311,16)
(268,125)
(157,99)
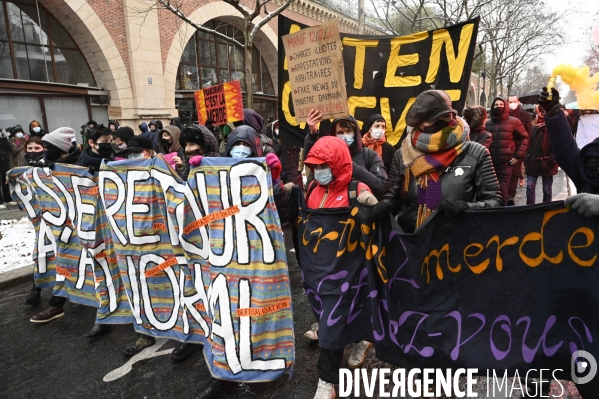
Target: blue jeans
(531,185)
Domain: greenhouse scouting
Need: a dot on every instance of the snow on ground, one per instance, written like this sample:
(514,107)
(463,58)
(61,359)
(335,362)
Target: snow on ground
(16,245)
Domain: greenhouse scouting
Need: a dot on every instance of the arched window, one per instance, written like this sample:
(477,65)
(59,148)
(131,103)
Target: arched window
(208,60)
(35,46)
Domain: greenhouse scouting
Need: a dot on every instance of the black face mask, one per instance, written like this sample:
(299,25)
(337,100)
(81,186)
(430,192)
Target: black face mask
(193,153)
(105,150)
(435,127)
(35,154)
(52,154)
(591,168)
(497,112)
(165,144)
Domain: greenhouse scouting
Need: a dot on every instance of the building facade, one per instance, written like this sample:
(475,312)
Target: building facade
(65,62)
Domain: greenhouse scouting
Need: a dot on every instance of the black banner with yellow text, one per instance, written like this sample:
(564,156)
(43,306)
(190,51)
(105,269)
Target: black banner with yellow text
(384,74)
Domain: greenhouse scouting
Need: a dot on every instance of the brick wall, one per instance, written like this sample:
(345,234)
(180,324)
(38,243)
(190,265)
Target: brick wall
(112,15)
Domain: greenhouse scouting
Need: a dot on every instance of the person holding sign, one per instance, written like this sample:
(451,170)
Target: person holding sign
(437,167)
(367,165)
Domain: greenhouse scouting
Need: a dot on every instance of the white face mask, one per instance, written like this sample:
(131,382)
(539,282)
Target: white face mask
(19,135)
(513,106)
(323,176)
(135,155)
(37,129)
(240,151)
(377,134)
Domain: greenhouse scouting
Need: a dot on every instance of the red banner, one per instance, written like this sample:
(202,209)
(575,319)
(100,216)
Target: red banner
(221,103)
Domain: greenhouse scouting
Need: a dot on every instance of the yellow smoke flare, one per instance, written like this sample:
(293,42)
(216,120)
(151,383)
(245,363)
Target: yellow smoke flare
(581,81)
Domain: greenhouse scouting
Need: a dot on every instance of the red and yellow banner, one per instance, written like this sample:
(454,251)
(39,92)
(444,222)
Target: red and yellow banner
(221,103)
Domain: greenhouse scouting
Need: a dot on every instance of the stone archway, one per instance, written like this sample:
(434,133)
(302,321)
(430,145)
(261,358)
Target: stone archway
(266,41)
(98,47)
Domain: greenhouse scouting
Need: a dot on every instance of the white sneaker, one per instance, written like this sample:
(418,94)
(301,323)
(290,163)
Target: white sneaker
(358,354)
(312,333)
(12,203)
(2,206)
(326,390)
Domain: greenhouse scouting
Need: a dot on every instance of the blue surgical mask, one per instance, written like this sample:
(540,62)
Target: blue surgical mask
(19,135)
(347,137)
(240,151)
(37,129)
(135,155)
(323,176)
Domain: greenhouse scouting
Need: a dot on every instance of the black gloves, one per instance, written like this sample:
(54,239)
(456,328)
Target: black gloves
(375,213)
(552,106)
(452,207)
(93,169)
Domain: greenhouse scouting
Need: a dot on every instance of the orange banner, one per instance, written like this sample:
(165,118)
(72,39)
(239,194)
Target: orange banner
(263,310)
(221,103)
(209,218)
(164,265)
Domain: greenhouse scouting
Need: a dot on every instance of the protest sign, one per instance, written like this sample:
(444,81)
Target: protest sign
(221,103)
(199,261)
(384,74)
(503,289)
(315,65)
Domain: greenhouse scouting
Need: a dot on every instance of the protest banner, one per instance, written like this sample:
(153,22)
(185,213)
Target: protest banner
(315,65)
(505,289)
(385,74)
(220,103)
(199,261)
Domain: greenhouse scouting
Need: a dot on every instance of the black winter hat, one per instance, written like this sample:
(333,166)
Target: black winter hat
(428,106)
(193,134)
(370,121)
(139,143)
(125,133)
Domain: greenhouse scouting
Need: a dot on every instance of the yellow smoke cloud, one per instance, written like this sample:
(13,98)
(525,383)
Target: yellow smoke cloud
(581,81)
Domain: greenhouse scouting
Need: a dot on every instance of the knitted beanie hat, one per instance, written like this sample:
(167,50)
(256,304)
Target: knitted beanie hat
(60,138)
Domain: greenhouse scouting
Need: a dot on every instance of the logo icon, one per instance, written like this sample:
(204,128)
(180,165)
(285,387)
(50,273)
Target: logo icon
(583,362)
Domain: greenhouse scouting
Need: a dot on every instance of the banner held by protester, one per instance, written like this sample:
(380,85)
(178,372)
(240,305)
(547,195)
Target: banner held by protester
(200,262)
(221,104)
(398,69)
(504,289)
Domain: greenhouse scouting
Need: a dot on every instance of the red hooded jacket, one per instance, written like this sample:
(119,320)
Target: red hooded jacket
(334,152)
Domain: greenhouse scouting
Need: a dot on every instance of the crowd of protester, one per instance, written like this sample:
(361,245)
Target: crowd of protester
(445,163)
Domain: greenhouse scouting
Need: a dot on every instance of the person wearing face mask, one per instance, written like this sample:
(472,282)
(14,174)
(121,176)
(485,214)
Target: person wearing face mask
(373,137)
(100,148)
(510,143)
(331,164)
(34,152)
(476,117)
(195,141)
(140,147)
(120,138)
(17,141)
(540,161)
(437,167)
(367,165)
(35,129)
(580,165)
(243,142)
(57,145)
(516,111)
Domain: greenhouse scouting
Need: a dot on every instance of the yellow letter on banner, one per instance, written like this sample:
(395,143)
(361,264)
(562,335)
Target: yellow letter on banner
(285,106)
(456,64)
(397,61)
(354,102)
(393,136)
(360,46)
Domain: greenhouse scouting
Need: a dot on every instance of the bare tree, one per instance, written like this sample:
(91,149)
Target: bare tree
(250,30)
(533,78)
(592,58)
(403,17)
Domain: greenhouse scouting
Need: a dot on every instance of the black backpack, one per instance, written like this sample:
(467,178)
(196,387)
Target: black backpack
(352,191)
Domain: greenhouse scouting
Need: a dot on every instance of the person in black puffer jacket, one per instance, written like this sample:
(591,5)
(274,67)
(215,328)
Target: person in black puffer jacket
(368,166)
(464,178)
(476,117)
(510,143)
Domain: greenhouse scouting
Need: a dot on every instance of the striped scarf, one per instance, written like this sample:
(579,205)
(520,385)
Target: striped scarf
(426,156)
